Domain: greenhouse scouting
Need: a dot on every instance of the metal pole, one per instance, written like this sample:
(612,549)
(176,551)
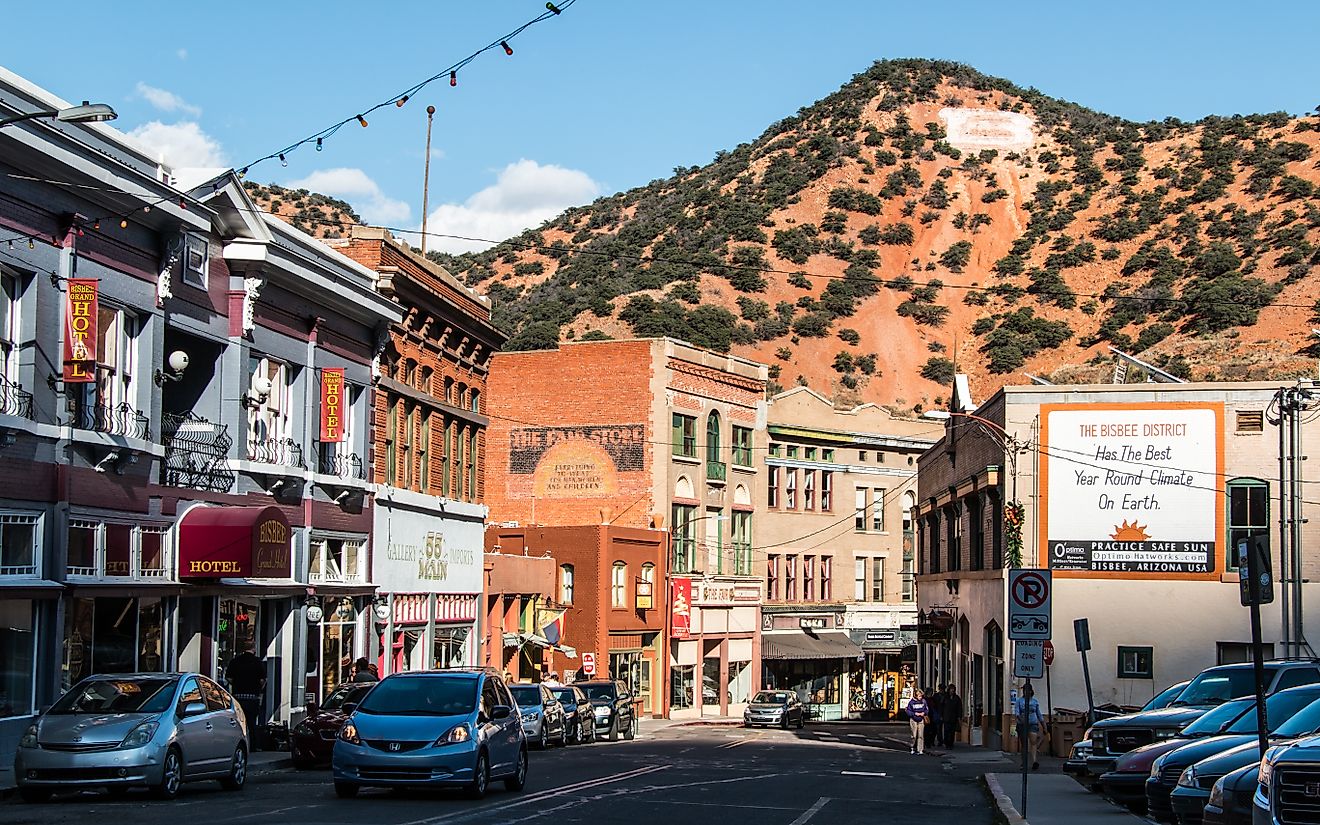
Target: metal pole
(1090,700)
(1295,501)
(1023,743)
(1257,657)
(1284,532)
(426,175)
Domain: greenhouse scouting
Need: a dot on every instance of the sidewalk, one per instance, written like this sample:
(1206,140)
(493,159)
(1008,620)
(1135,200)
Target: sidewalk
(1054,798)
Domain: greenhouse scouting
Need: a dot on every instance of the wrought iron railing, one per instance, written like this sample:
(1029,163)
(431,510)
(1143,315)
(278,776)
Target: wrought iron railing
(196,453)
(284,452)
(13,400)
(335,463)
(112,419)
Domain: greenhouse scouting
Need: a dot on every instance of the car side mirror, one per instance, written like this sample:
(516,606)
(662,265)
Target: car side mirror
(194,709)
(349,708)
(501,712)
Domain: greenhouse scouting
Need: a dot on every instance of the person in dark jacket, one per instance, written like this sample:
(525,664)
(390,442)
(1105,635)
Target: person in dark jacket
(363,671)
(918,711)
(246,675)
(935,728)
(951,711)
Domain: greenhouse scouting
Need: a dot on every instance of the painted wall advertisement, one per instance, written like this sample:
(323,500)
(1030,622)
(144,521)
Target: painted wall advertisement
(1133,489)
(577,462)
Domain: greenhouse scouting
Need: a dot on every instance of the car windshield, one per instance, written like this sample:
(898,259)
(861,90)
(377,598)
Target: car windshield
(1217,687)
(527,696)
(1218,719)
(1165,697)
(1303,723)
(771,697)
(566,695)
(599,693)
(346,693)
(1279,708)
(421,696)
(151,694)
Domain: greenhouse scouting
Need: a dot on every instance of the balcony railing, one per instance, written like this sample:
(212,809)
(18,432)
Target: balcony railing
(715,470)
(284,452)
(343,465)
(112,419)
(196,453)
(13,400)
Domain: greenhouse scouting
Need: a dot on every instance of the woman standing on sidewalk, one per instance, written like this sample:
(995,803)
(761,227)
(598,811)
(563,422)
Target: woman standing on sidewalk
(917,712)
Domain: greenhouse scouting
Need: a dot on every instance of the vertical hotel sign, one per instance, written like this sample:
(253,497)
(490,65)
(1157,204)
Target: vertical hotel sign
(680,609)
(332,404)
(80,332)
(1133,490)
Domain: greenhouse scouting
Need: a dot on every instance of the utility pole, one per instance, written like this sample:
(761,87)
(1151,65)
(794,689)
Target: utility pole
(426,175)
(1287,407)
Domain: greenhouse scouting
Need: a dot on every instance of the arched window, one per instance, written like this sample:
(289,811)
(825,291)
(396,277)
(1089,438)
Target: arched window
(648,578)
(713,437)
(566,583)
(619,585)
(475,404)
(449,391)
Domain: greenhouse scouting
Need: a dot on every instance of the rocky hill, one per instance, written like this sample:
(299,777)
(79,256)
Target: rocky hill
(320,216)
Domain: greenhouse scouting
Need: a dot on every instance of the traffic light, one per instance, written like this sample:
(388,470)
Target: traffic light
(1255,570)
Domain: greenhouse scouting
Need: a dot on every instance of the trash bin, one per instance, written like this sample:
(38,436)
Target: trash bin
(1066,730)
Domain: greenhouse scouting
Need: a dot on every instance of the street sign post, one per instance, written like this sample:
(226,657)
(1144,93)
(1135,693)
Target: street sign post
(1029,660)
(1029,604)
(1082,634)
(1254,569)
(589,664)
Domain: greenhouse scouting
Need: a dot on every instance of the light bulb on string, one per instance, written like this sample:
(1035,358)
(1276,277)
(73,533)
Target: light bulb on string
(183,204)
(242,173)
(146,208)
(453,78)
(123,224)
(283,161)
(401,101)
(318,144)
(96,225)
(507,48)
(552,7)
(362,121)
(31,244)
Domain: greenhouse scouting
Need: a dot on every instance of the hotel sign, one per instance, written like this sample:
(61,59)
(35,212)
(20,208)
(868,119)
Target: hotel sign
(80,316)
(332,405)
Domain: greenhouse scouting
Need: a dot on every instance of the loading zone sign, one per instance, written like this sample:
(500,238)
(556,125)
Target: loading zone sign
(1029,605)
(1029,660)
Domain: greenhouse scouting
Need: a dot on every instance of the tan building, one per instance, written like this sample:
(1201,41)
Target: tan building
(1133,496)
(836,547)
(646,433)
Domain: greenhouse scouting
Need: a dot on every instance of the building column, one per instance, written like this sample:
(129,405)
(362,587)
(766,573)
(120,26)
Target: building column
(721,688)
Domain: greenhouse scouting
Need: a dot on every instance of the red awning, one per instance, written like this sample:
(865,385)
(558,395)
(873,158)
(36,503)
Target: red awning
(244,542)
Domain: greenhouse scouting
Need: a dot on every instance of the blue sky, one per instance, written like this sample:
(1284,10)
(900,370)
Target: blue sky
(612,93)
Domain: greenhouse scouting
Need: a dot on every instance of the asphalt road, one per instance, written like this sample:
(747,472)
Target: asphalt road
(825,775)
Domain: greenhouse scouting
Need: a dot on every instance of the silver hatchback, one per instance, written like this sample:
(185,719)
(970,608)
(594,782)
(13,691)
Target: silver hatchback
(152,730)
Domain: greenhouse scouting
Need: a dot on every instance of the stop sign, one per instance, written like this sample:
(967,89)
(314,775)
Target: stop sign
(1049,653)
(589,664)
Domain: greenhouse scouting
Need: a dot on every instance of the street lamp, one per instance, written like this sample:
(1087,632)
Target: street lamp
(85,113)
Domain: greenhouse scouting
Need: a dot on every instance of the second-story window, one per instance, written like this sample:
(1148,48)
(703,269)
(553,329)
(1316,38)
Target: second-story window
(859,579)
(336,560)
(472,455)
(808,489)
(391,445)
(116,358)
(808,578)
(877,580)
(713,437)
(566,583)
(447,458)
(685,538)
(790,489)
(685,435)
(9,326)
(859,517)
(742,543)
(772,486)
(826,491)
(20,553)
(790,578)
(742,446)
(408,422)
(424,454)
(269,418)
(619,585)
(878,509)
(648,577)
(772,578)
(826,578)
(196,259)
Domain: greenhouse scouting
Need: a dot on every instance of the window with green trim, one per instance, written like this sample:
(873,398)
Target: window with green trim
(811,454)
(826,455)
(685,435)
(742,446)
(1248,508)
(713,437)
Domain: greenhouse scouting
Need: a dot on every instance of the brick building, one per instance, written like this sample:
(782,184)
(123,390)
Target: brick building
(516,586)
(840,609)
(621,627)
(647,433)
(428,425)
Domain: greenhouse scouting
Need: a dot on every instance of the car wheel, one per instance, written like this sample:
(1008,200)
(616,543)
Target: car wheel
(784,723)
(563,736)
(238,768)
(518,780)
(591,733)
(480,778)
(628,732)
(802,721)
(543,741)
(614,730)
(35,794)
(171,776)
(345,790)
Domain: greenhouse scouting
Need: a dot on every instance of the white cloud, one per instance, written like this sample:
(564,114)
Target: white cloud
(525,195)
(182,54)
(181,144)
(166,101)
(363,193)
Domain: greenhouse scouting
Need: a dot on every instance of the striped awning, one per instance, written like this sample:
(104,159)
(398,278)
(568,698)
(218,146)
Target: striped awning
(798,644)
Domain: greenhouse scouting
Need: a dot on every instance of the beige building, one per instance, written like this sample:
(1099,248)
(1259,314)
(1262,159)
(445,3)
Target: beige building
(836,545)
(1133,496)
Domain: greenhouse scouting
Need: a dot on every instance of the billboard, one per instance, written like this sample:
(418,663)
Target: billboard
(1132,490)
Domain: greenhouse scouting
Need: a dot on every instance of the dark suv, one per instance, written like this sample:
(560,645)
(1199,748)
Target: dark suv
(613,705)
(1111,738)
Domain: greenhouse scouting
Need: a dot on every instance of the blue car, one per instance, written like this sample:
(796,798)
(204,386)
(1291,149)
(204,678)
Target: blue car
(437,729)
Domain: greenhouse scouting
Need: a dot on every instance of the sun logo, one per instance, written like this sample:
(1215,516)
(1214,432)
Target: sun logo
(1130,532)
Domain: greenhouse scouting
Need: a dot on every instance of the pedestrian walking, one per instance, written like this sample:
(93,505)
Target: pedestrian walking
(1029,721)
(918,711)
(936,701)
(951,712)
(362,671)
(246,675)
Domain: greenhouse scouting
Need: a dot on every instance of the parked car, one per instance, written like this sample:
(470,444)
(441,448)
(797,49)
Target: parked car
(1111,738)
(1075,764)
(612,703)
(542,715)
(1166,697)
(1126,783)
(775,707)
(152,730)
(1195,783)
(313,740)
(579,718)
(1230,797)
(1168,770)
(432,729)
(1288,785)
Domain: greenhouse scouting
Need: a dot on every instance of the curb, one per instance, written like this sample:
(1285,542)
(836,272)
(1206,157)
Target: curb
(1006,809)
(272,767)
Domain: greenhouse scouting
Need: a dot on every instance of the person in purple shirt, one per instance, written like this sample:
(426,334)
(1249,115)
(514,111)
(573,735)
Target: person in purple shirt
(918,711)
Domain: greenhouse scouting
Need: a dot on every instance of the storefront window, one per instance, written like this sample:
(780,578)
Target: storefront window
(449,646)
(112,635)
(627,668)
(710,681)
(681,677)
(236,630)
(816,682)
(739,686)
(19,555)
(18,644)
(338,633)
